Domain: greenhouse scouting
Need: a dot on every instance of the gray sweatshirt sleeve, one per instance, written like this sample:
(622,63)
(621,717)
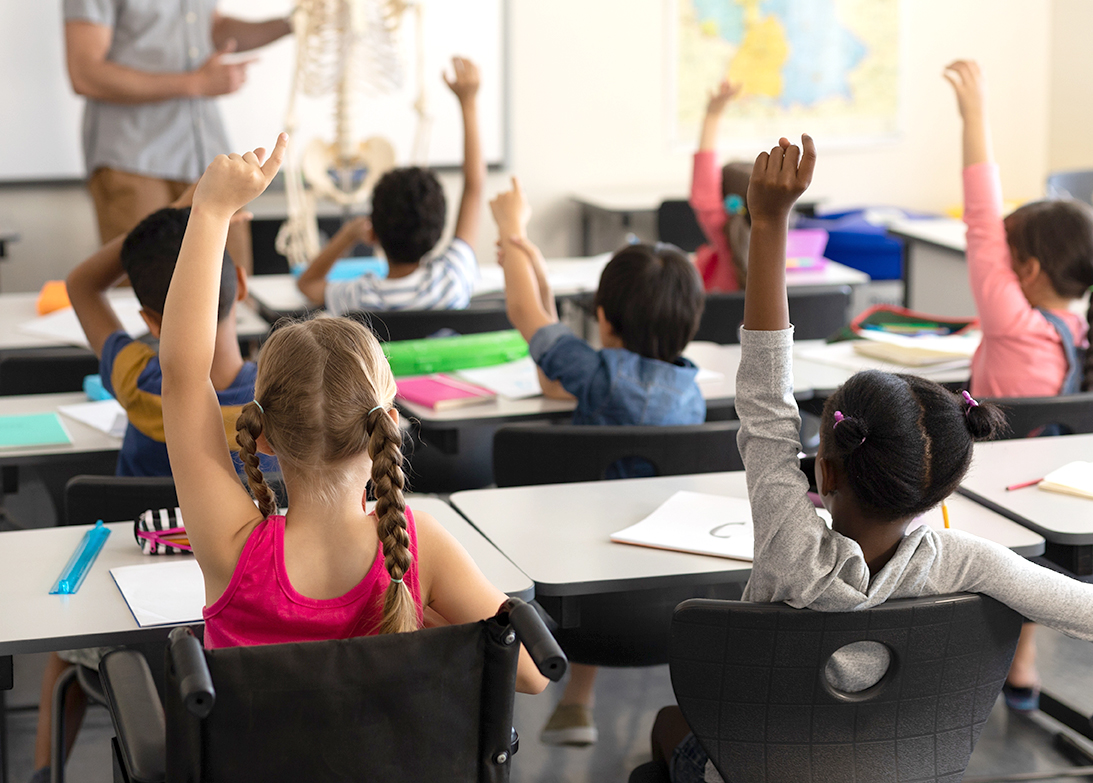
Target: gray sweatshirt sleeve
(797,558)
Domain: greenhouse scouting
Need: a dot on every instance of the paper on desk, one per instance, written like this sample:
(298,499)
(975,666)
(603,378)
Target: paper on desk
(843,355)
(62,326)
(697,523)
(515,380)
(708,376)
(104,415)
(166,593)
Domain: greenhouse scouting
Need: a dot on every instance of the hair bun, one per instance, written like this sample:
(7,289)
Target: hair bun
(850,432)
(986,421)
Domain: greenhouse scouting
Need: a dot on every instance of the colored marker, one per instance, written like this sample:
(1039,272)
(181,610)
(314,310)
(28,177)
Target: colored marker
(1023,484)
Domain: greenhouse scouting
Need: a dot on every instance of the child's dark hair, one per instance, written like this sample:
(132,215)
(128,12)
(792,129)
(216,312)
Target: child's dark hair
(408,213)
(149,255)
(653,298)
(904,442)
(1059,234)
(735,177)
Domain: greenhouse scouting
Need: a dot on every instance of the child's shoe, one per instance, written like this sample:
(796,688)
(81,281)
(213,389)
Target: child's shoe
(1021,699)
(571,724)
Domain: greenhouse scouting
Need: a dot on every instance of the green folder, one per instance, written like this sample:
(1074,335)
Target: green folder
(34,429)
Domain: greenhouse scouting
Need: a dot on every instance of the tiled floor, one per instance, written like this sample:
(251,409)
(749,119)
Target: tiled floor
(628,701)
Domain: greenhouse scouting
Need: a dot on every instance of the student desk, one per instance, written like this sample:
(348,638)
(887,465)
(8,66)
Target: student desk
(621,205)
(935,272)
(31,620)
(85,439)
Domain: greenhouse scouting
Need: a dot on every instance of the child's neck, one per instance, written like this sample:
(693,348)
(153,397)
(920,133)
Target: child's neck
(878,540)
(397,269)
(227,358)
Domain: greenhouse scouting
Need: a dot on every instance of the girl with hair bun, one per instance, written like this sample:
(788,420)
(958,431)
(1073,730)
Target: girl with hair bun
(891,448)
(323,406)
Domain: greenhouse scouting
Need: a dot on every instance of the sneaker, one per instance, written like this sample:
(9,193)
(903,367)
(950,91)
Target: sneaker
(40,776)
(571,724)
(1021,699)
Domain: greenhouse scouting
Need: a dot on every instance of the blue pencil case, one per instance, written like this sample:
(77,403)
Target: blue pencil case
(352,268)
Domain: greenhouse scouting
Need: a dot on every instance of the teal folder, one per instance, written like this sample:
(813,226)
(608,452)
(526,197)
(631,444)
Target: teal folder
(34,429)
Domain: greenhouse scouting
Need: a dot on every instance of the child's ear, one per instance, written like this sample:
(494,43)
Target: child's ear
(370,235)
(240,284)
(262,445)
(827,482)
(604,324)
(393,413)
(153,319)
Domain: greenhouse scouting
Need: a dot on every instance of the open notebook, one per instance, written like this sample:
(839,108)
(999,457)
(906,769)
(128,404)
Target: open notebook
(1074,478)
(170,592)
(697,523)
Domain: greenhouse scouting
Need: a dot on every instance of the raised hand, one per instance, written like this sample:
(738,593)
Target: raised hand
(466,82)
(218,76)
(969,84)
(778,179)
(511,211)
(232,181)
(718,99)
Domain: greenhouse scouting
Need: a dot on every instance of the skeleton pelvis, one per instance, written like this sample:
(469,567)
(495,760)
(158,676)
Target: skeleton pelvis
(347,178)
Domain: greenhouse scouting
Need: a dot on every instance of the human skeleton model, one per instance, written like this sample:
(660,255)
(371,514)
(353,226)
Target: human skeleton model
(342,47)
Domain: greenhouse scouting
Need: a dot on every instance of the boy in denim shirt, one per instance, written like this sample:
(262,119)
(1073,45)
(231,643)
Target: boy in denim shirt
(648,307)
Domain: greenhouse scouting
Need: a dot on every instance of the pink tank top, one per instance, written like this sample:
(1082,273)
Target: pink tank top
(260,605)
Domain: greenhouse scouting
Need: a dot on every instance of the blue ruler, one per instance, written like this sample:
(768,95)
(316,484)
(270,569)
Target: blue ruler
(75,571)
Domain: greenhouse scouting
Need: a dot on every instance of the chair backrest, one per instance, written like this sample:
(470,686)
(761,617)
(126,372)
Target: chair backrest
(393,325)
(1070,414)
(815,314)
(1071,184)
(676,223)
(751,679)
(45,370)
(115,498)
(526,454)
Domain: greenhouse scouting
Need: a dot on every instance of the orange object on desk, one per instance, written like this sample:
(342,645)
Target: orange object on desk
(53,296)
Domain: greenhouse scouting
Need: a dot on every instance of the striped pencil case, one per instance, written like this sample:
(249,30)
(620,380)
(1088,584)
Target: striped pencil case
(160,532)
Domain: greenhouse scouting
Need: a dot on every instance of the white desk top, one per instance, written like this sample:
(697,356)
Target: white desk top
(31,620)
(824,378)
(85,439)
(559,535)
(638,198)
(17,309)
(1062,519)
(944,232)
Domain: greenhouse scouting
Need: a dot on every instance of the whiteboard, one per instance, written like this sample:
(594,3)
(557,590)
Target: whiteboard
(40,117)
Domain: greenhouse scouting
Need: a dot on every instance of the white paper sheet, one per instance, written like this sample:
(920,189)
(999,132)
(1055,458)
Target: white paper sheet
(171,592)
(843,355)
(708,376)
(63,326)
(515,380)
(698,523)
(104,415)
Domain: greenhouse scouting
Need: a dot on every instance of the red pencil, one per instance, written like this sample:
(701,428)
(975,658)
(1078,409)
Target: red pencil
(1024,484)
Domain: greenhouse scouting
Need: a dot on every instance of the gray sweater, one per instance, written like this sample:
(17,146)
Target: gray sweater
(802,562)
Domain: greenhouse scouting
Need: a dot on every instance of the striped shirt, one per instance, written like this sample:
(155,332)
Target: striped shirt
(442,283)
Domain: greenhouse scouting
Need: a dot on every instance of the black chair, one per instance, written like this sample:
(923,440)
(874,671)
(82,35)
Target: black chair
(392,325)
(815,314)
(1070,414)
(1071,184)
(45,370)
(753,682)
(526,454)
(115,498)
(427,706)
(676,223)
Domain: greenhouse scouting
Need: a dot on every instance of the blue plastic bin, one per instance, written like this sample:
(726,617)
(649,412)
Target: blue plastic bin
(859,244)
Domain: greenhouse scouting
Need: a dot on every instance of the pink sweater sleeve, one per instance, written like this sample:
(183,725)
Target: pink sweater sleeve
(706,198)
(1003,308)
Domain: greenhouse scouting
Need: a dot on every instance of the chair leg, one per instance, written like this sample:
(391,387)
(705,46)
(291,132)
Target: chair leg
(57,725)
(3,738)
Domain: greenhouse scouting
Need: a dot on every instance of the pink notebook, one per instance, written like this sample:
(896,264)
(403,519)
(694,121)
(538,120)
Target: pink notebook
(805,249)
(441,392)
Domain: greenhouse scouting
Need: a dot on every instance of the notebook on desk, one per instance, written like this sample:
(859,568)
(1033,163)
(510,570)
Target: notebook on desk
(1074,478)
(697,523)
(165,593)
(442,392)
(32,430)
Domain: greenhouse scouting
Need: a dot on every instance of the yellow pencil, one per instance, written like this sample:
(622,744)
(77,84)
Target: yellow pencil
(945,515)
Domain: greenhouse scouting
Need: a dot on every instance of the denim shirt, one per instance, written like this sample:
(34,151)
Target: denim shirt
(617,386)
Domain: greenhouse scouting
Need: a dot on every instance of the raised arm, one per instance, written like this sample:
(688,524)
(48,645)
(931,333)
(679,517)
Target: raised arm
(970,88)
(715,106)
(93,76)
(219,512)
(248,35)
(522,298)
(465,86)
(87,285)
(312,283)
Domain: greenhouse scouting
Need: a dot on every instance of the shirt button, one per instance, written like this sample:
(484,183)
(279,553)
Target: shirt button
(191,17)
(194,53)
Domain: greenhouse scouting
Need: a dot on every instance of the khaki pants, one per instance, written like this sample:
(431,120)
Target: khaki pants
(123,199)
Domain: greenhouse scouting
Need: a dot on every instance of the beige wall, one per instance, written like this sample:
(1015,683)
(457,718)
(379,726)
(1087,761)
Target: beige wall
(587,109)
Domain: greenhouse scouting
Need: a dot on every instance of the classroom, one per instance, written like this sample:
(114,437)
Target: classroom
(735,349)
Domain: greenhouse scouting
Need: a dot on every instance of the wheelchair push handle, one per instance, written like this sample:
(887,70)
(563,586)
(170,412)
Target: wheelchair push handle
(536,638)
(195,683)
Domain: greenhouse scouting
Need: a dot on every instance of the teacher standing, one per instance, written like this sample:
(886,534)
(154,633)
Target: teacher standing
(150,70)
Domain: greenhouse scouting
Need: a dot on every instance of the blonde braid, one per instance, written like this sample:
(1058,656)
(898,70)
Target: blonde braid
(248,427)
(384,447)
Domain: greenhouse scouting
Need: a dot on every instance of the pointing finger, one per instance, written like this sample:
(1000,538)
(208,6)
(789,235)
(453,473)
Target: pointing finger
(276,158)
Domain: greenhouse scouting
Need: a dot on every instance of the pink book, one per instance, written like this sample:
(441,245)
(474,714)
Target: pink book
(441,392)
(805,249)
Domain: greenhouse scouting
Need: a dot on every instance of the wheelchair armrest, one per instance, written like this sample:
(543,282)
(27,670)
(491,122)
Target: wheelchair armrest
(137,714)
(537,640)
(195,684)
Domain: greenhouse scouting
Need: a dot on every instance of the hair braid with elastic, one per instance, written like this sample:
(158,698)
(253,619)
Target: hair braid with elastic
(248,427)
(388,480)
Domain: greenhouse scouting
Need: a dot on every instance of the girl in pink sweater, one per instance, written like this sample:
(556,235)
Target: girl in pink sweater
(1025,273)
(719,201)
(323,405)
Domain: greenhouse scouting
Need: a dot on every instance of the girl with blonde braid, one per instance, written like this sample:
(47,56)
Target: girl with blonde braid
(323,406)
